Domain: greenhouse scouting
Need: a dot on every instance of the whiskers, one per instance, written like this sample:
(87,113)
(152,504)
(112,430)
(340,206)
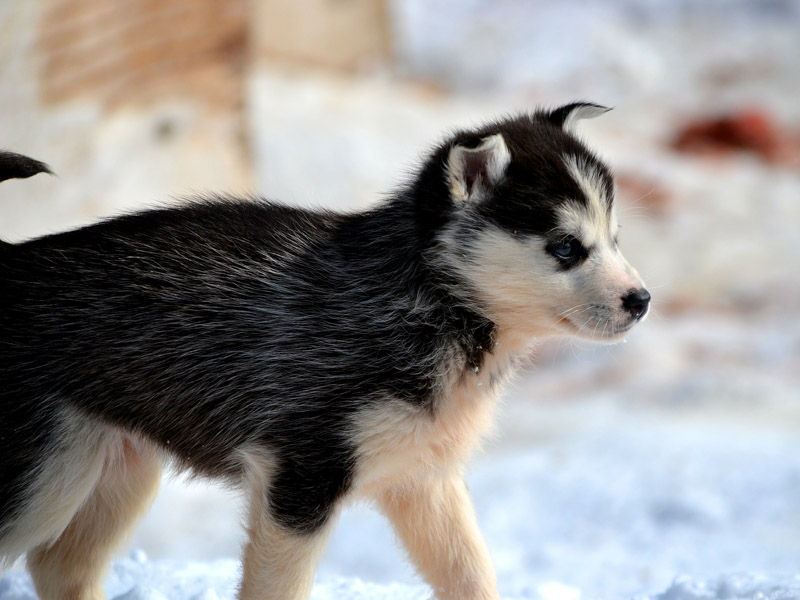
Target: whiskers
(574,311)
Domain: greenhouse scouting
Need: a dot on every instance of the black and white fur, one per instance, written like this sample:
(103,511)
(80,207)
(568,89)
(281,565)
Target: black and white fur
(309,357)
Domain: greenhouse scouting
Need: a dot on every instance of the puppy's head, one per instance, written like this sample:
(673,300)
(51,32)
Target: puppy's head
(533,231)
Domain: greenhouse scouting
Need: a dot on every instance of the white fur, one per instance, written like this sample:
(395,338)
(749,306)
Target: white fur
(62,484)
(525,292)
(84,501)
(582,112)
(595,221)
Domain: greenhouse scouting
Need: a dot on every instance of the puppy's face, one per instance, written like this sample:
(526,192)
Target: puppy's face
(535,233)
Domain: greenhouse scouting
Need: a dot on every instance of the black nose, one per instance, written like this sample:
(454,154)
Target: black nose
(636,302)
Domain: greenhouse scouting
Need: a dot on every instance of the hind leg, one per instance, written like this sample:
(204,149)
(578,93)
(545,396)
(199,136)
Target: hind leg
(73,567)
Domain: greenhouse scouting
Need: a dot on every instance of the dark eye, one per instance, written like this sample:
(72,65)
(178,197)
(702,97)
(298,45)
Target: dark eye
(566,249)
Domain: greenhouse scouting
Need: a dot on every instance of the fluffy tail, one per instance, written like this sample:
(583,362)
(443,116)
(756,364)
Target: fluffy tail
(17,166)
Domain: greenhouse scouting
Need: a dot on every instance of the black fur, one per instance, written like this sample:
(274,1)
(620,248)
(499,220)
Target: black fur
(172,323)
(17,166)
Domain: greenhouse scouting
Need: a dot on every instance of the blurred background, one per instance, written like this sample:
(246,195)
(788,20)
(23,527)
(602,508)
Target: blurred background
(614,468)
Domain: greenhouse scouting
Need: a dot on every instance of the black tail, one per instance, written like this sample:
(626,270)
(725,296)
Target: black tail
(17,166)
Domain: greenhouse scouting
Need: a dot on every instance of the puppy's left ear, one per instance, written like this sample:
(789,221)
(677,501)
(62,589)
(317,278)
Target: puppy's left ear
(473,171)
(566,116)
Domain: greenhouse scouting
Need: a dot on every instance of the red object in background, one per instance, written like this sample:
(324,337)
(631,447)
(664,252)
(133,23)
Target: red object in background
(750,130)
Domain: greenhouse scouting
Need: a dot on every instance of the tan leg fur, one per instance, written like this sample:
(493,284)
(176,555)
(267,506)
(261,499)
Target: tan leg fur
(278,564)
(436,521)
(73,567)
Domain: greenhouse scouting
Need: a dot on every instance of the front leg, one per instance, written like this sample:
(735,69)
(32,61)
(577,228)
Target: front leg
(279,563)
(436,521)
(290,521)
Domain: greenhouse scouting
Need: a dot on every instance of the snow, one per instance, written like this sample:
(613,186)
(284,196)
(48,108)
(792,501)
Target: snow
(175,580)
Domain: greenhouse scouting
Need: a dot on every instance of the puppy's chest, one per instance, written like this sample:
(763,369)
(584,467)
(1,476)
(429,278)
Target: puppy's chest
(397,441)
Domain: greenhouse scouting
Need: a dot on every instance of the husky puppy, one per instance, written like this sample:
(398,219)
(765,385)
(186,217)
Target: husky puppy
(308,357)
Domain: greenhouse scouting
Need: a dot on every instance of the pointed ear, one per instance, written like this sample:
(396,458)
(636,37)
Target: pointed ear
(472,172)
(17,166)
(567,115)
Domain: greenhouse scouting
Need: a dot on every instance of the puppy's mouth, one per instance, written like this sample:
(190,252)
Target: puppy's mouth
(596,329)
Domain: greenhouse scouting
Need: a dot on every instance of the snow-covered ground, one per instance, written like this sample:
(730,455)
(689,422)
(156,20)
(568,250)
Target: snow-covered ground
(665,468)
